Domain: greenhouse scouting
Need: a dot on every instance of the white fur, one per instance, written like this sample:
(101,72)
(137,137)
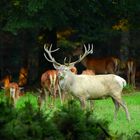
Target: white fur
(120,80)
(92,87)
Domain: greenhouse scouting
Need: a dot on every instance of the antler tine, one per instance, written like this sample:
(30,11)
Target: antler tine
(50,48)
(47,58)
(87,51)
(90,48)
(65,60)
(65,63)
(49,51)
(69,60)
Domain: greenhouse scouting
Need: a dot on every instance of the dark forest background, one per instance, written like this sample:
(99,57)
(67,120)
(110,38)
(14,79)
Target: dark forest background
(113,26)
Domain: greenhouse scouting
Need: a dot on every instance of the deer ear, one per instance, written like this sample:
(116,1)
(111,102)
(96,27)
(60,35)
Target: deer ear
(71,66)
(39,90)
(21,88)
(56,66)
(3,87)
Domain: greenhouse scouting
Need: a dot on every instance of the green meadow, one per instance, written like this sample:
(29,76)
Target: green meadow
(103,110)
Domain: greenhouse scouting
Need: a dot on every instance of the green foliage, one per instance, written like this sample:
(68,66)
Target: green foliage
(25,123)
(34,15)
(63,43)
(29,123)
(68,122)
(74,123)
(93,20)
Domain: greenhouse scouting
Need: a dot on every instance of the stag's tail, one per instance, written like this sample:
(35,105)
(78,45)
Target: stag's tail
(121,81)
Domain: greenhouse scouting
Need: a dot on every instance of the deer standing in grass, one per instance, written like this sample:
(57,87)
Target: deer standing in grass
(12,90)
(15,92)
(88,87)
(50,87)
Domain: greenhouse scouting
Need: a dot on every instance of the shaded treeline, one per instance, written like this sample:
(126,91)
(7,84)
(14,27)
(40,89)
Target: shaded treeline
(112,26)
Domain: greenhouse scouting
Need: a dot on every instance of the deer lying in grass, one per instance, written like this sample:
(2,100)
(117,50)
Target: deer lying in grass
(88,87)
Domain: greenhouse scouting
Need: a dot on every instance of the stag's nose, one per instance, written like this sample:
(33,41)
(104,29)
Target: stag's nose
(60,75)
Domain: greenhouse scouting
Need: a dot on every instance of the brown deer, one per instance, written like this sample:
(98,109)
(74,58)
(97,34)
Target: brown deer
(103,65)
(49,84)
(12,89)
(89,87)
(88,72)
(13,92)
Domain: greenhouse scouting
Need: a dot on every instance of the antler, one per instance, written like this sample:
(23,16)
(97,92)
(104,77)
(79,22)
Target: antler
(65,63)
(49,51)
(88,50)
(51,59)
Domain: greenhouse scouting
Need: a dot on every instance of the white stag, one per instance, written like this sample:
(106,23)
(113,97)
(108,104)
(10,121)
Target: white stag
(88,87)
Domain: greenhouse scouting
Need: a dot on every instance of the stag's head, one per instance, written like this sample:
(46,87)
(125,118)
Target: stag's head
(64,69)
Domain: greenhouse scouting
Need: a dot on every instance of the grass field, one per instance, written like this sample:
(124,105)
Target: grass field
(104,110)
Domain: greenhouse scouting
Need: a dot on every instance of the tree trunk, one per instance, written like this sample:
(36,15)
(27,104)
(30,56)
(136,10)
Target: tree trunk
(125,43)
(50,37)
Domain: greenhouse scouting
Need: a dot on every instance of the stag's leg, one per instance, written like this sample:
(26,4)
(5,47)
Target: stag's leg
(60,95)
(46,97)
(52,99)
(117,106)
(120,102)
(83,102)
(91,104)
(63,96)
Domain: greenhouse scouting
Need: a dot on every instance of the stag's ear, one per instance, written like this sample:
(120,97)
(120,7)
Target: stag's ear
(71,66)
(57,67)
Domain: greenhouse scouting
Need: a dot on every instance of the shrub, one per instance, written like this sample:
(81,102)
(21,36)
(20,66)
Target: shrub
(26,123)
(76,124)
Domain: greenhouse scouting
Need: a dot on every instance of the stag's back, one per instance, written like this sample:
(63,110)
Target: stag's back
(96,86)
